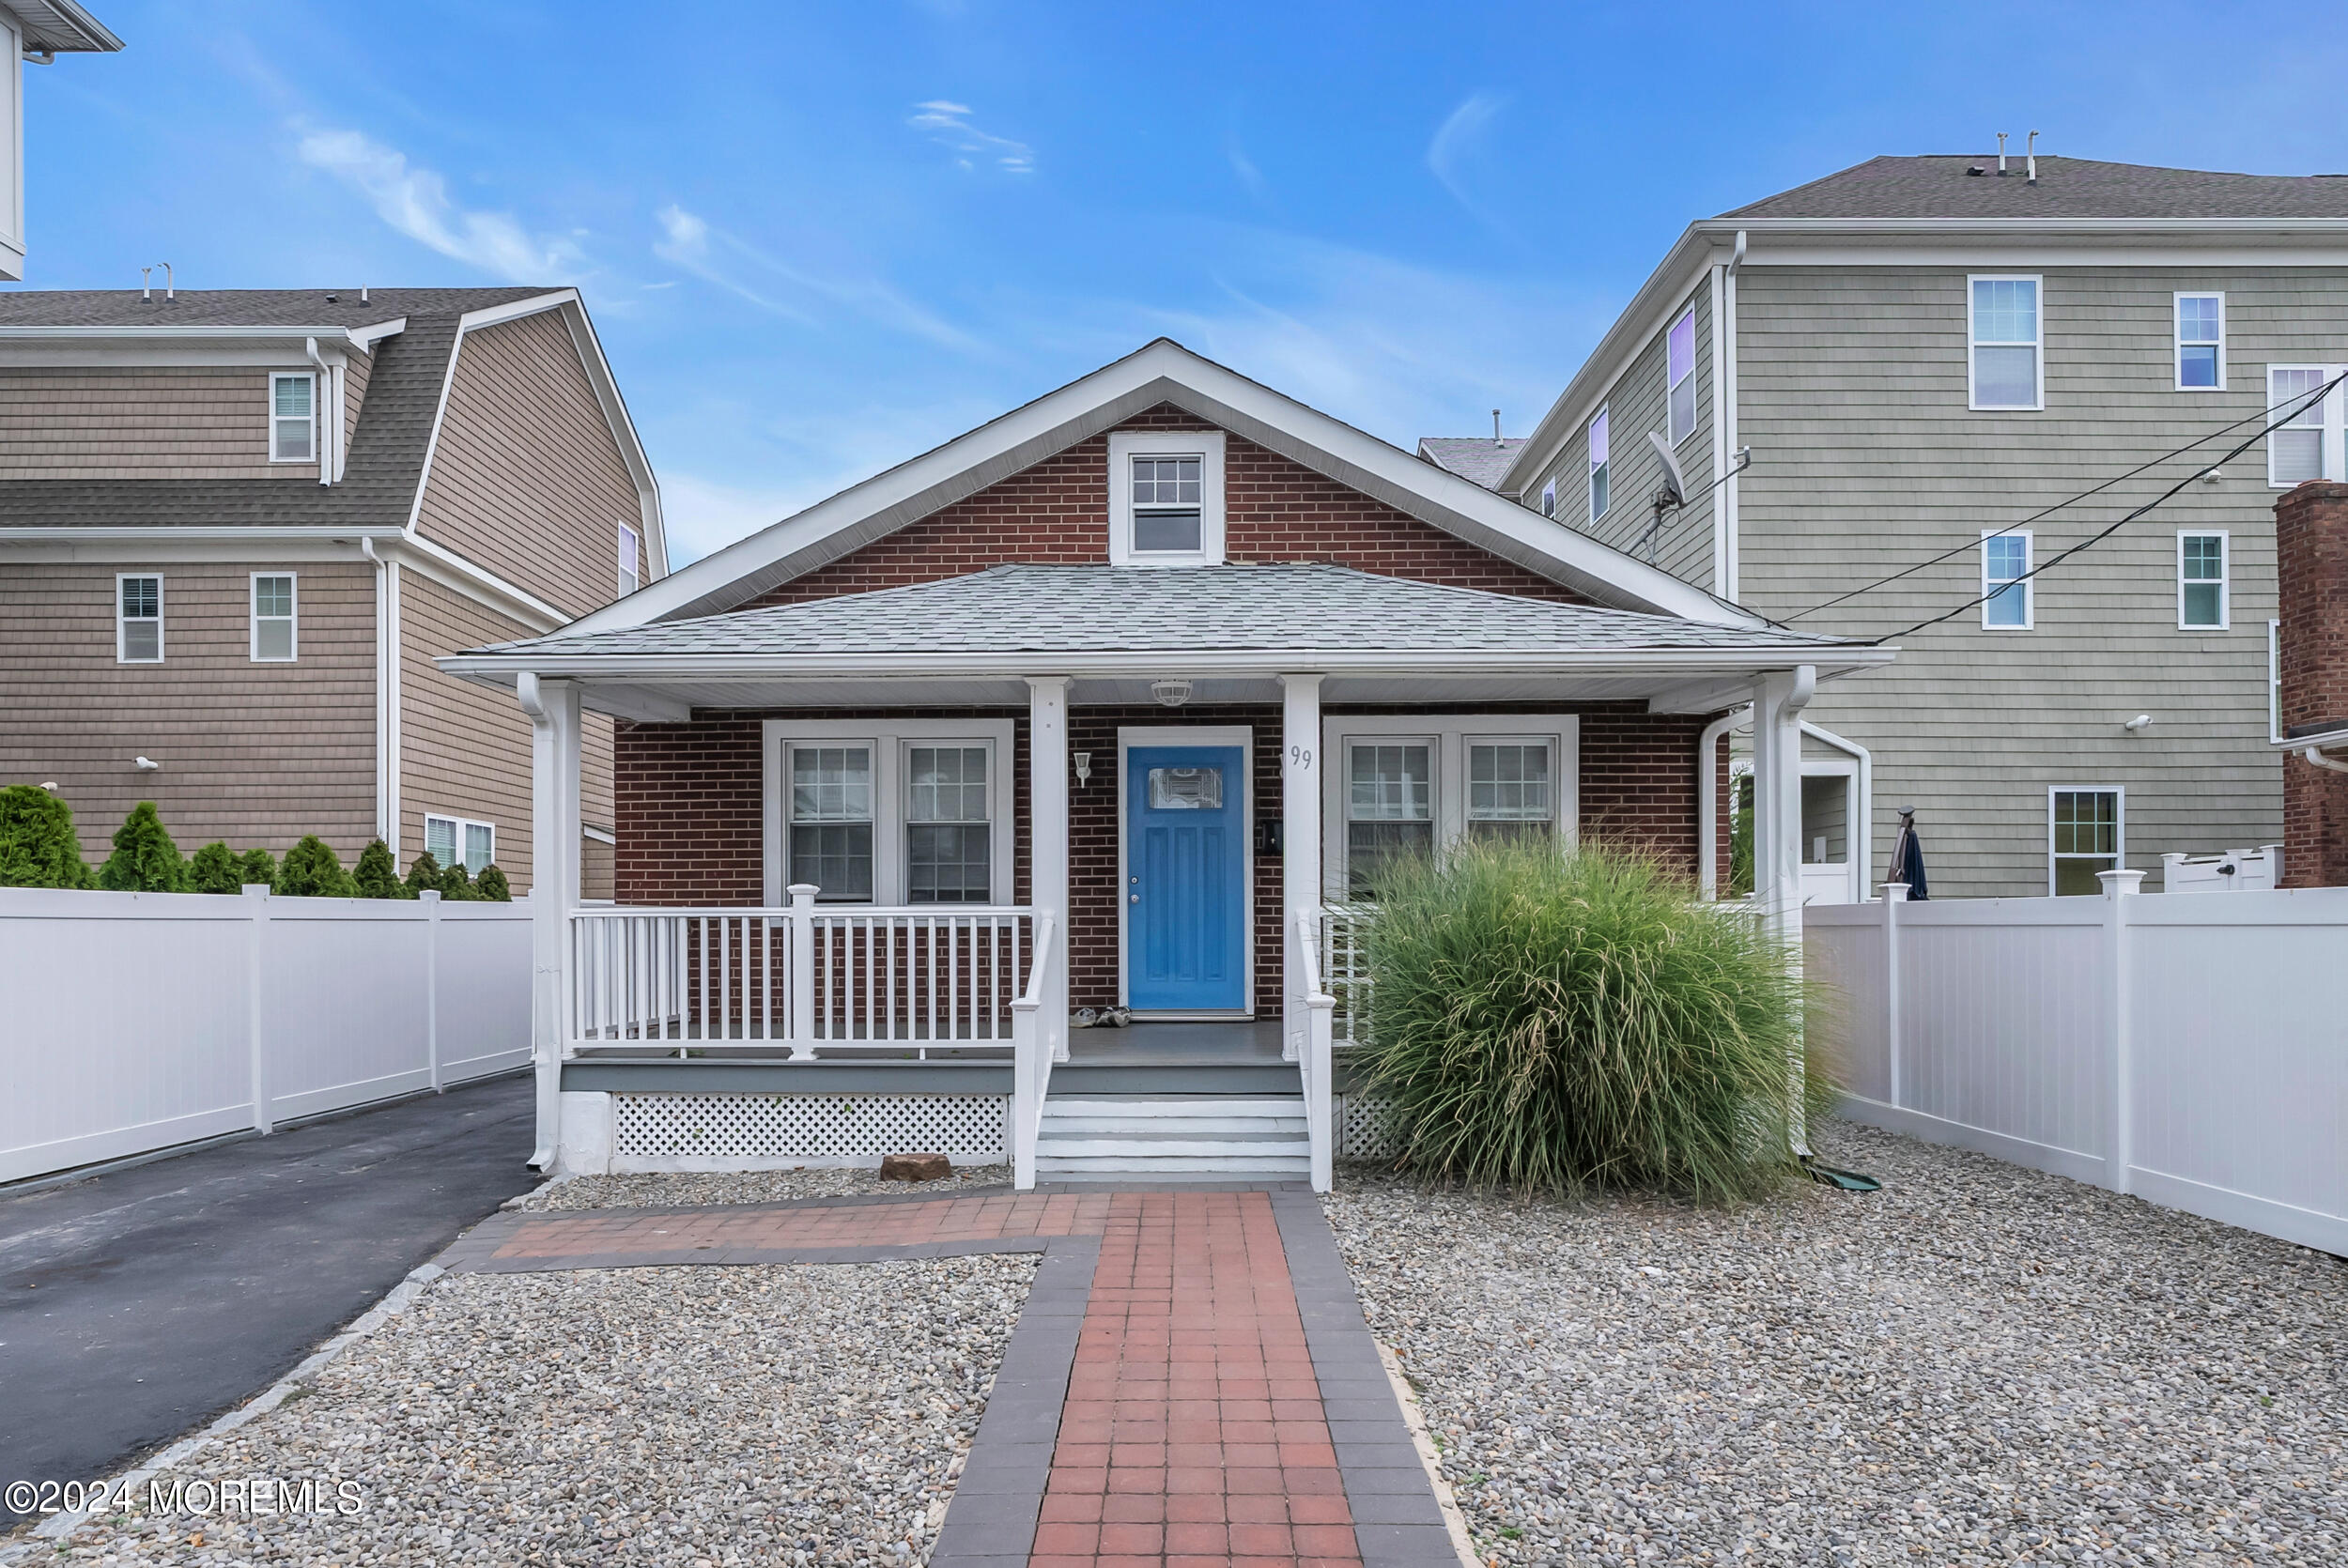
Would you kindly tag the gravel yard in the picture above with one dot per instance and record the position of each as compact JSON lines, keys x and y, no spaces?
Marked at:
{"x":666,"y":1190}
{"x":781,"y":1414}
{"x":1981,"y":1363}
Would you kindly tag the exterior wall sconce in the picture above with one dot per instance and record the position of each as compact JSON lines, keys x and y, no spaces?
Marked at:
{"x":1084,"y":768}
{"x":1170,"y":693}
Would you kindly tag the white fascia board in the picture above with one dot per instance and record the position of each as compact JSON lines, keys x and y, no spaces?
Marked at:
{"x":449,"y":569}
{"x":1161,"y":372}
{"x":181,"y":333}
{"x":269,"y":532}
{"x":2323,"y":739}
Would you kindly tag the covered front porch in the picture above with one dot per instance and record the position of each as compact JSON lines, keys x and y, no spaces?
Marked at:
{"x":865,"y":895}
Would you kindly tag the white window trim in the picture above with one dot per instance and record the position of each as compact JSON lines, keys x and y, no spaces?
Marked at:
{"x":121,"y":654}
{"x":1450,"y":734}
{"x":2225,"y":578}
{"x":1589,"y":485}
{"x":2334,"y":425}
{"x":2119,"y":825}
{"x":628,"y":560}
{"x":253,"y":618}
{"x":1126,"y":445}
{"x":2038,"y":349}
{"x":889,"y":738}
{"x":1244,"y":737}
{"x":1695,"y":409}
{"x":2029,"y":584}
{"x":463,"y":825}
{"x":1549,"y":498}
{"x":310,"y":377}
{"x":2178,"y":341}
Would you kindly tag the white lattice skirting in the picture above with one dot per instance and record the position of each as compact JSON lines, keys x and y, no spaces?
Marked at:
{"x":764,"y":1132}
{"x":1361,"y":1129}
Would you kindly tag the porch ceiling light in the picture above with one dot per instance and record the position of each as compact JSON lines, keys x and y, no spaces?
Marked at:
{"x":1170,"y":693}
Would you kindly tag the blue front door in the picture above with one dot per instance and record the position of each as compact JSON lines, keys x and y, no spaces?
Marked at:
{"x":1186,"y":878}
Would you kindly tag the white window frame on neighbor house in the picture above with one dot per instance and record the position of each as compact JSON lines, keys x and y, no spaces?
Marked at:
{"x":1974,"y":343}
{"x":2331,"y":420}
{"x":889,"y":738}
{"x":1599,"y":441}
{"x":2118,"y":828}
{"x":122,"y":621}
{"x":2224,"y":580}
{"x":1549,"y":498}
{"x":278,"y":422}
{"x":2176,"y":325}
{"x":292,"y":618}
{"x":1449,"y":738}
{"x":631,"y":561}
{"x":1676,"y":428}
{"x":1126,"y":445}
{"x":2028,"y":585}
{"x":461,"y":830}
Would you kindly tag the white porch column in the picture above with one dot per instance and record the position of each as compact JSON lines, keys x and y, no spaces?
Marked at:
{"x":1047,"y":822}
{"x":554,"y":710}
{"x":1300,"y":829}
{"x":1778,"y":700}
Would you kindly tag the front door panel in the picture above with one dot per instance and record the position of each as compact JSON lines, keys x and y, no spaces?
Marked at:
{"x":1185,"y":878}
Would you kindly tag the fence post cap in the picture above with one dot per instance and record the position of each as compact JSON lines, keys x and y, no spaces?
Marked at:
{"x":802,"y":892}
{"x":255,"y":890}
{"x":430,"y":895}
{"x":2117,"y":882}
{"x":1895,"y":892}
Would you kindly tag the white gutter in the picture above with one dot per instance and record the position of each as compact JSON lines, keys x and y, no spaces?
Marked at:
{"x":2315,"y":754}
{"x":328,"y":406}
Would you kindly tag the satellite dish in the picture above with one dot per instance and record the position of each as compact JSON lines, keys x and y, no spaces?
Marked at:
{"x":1675,"y":483}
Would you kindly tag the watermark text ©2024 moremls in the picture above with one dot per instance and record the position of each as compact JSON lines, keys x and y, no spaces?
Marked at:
{"x":201,"y":1495}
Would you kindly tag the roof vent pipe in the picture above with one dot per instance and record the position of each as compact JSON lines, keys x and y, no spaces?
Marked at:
{"x":147,"y":284}
{"x":1496,"y":440}
{"x":2002,"y":155}
{"x":2030,"y":154}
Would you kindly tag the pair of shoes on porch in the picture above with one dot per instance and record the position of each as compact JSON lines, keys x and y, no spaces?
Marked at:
{"x":1099,"y":1018}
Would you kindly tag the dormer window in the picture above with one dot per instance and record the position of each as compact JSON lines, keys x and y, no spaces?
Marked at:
{"x":1165,"y":497}
{"x":291,"y":412}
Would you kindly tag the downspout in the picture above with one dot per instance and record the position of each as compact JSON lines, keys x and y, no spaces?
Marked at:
{"x":1709,"y":801}
{"x":386,"y":827}
{"x":1730,"y":570}
{"x":545,"y":1044}
{"x":2315,"y":754}
{"x":1861,"y":835}
{"x":328,"y":410}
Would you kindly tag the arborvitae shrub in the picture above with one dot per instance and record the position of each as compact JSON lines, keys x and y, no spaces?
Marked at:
{"x":456,"y":884}
{"x":423,"y":874}
{"x":312,"y":871}
{"x":257,"y":868}
{"x":377,"y":875}
{"x":214,"y":870}
{"x":492,"y":886}
{"x":38,"y":848}
{"x":145,"y":858}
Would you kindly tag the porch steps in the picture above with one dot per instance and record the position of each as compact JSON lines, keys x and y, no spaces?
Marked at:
{"x":1217,"y":1135}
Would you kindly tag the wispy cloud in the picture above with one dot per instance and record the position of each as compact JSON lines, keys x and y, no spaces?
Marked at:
{"x":949,"y":125}
{"x":1250,"y":177}
{"x":688,"y":241}
{"x":1454,"y":143}
{"x":415,"y":202}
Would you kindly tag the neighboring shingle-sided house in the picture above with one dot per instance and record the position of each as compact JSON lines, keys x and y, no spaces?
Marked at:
{"x":33,"y":31}
{"x":1924,"y":352}
{"x":237,"y":527}
{"x":1090,"y":708}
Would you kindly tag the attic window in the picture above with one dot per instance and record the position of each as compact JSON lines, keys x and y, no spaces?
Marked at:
{"x":1165,"y":497}
{"x":291,"y":401}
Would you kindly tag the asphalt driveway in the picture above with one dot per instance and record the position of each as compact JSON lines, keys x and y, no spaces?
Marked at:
{"x":139,"y":1303}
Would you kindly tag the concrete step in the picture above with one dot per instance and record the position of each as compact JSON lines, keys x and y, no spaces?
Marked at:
{"x":1183,"y":1143}
{"x":1252,"y":1165}
{"x":1173,"y":1126}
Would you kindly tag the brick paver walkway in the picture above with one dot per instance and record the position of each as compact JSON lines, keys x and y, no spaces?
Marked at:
{"x":1183,"y":1419}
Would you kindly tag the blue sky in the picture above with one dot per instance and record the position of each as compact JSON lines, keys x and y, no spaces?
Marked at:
{"x":818,"y":240}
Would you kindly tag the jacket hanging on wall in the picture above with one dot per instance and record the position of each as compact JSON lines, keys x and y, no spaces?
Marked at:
{"x":1907,"y":859}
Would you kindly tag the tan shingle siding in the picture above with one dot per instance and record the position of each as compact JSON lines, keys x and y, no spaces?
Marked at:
{"x":527,"y":479}
{"x":148,"y":423}
{"x":253,"y":753}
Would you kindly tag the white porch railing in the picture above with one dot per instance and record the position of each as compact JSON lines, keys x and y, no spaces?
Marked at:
{"x":1031,"y":1061}
{"x":1315,"y":1060}
{"x":845,"y":979}
{"x":1344,"y":966}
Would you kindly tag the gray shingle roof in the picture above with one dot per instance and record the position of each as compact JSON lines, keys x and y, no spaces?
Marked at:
{"x":1937,"y":186}
{"x":244,"y":307}
{"x":1472,"y":457}
{"x":1109,"y":610}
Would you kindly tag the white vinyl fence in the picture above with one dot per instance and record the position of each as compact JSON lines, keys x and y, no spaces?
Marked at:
{"x":132,"y":1022}
{"x":2192,"y":1051}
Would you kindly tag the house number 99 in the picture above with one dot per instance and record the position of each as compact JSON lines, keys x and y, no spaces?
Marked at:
{"x":1300,"y":757}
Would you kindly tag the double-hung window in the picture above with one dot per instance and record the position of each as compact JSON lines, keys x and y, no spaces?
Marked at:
{"x":459,"y":841}
{"x":293,"y":418}
{"x":1165,"y":497}
{"x":2201,"y":582}
{"x":1600,"y":472}
{"x":2308,"y":443}
{"x":1512,"y":787}
{"x":138,"y":620}
{"x":2008,"y":359}
{"x":273,"y":639}
{"x":2005,"y":583}
{"x":632,"y":561}
{"x":908,"y":812}
{"x":2200,"y":343}
{"x":1418,"y":785}
{"x":2084,"y":836}
{"x":831,"y":821}
{"x":947,"y":832}
{"x":1389,"y":805}
{"x":1680,"y":369}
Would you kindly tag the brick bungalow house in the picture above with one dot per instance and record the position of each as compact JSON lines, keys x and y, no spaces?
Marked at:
{"x":1094,"y":707}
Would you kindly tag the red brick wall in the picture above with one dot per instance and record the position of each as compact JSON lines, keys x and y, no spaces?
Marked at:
{"x":1057,"y":513}
{"x":2311,"y":561}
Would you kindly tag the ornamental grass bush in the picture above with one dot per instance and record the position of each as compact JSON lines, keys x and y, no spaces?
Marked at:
{"x":1556,"y":1023}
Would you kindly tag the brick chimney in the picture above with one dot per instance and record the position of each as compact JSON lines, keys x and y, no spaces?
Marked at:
{"x":2311,"y":562}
